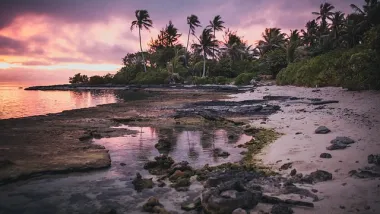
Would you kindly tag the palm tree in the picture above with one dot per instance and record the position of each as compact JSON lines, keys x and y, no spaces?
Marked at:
{"x":193,"y":22}
{"x":142,"y":21}
{"x":206,"y":46}
{"x":272,"y":39}
{"x":216,"y":25}
{"x":234,"y":46}
{"x":292,"y":43}
{"x":309,"y":36}
{"x":337,"y":23}
{"x":325,"y":12}
{"x":171,"y":35}
{"x":370,"y":12}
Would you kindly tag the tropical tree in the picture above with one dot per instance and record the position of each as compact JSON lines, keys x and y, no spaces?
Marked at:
{"x":309,"y":37}
{"x":142,"y":21}
{"x":292,"y":43}
{"x":216,"y":25}
{"x":325,"y":12}
{"x":337,"y":24}
{"x":370,"y":13}
{"x":193,"y":22}
{"x":272,"y":38}
{"x":206,"y":46}
{"x":170,"y":35}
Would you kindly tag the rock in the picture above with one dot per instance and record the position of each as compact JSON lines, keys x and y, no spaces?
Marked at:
{"x":325,"y":155}
{"x":163,"y":144}
{"x":366,"y":172}
{"x":217,"y":152}
{"x":239,"y":211}
{"x":372,"y":159}
{"x":342,"y":207}
{"x":324,"y":102}
{"x":192,"y":205}
{"x":293,"y":172}
{"x":239,"y":197}
{"x":298,"y":133}
{"x":231,"y":137}
{"x":85,"y":137}
{"x":183,"y":182}
{"x":286,"y":166}
{"x":314,"y":190}
{"x":160,"y":166}
{"x":322,"y":130}
{"x":140,"y":183}
{"x":5,"y":163}
{"x":150,"y":205}
{"x":107,"y":210}
{"x":317,"y":176}
{"x":123,"y":164}
{"x":176,"y":175}
{"x":281,"y":209}
{"x":342,"y":140}
{"x":160,"y":210}
{"x":161,"y":184}
{"x":337,"y":146}
{"x":316,"y":90}
{"x":182,"y":166}
{"x":274,"y":200}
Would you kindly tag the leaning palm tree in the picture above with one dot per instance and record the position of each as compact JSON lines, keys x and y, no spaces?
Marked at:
{"x":206,"y":46}
{"x":193,"y":22}
{"x":216,"y":25}
{"x":142,"y":21}
{"x":325,"y":12}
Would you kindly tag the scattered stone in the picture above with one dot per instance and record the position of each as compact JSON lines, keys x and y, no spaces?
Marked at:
{"x":366,"y":172}
{"x":322,"y":130}
{"x":274,"y":200}
{"x":160,"y":165}
{"x":196,"y":205}
{"x":324,"y":102}
{"x":372,"y":159}
{"x":337,"y":146}
{"x":150,"y":205}
{"x":293,"y":172}
{"x":239,"y":211}
{"x":344,"y":184}
{"x":342,"y":207}
{"x":316,"y":90}
{"x":183,"y":182}
{"x":325,"y":155}
{"x":342,"y":140}
{"x":163,"y":144}
{"x":85,"y":137}
{"x":161,"y":184}
{"x":286,"y":166}
{"x":231,"y":137}
{"x":261,"y":123}
{"x":217,"y":152}
{"x":281,"y":209}
{"x":317,"y":176}
{"x":140,"y":183}
{"x":298,"y":133}
{"x":123,"y":164}
{"x":314,"y":190}
{"x":356,"y":161}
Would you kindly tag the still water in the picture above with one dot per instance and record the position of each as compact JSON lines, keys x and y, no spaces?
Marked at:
{"x":16,"y":102}
{"x":89,"y":192}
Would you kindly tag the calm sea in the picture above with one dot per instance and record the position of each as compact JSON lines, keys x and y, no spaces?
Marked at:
{"x":16,"y":102}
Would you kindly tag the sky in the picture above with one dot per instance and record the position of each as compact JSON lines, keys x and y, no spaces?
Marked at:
{"x":47,"y":41}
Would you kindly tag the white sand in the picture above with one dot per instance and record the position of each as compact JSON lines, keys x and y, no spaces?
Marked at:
{"x":357,"y":115}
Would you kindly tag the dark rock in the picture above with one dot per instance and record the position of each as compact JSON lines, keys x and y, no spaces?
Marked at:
{"x":177,"y":175}
{"x":123,"y":164}
{"x":342,"y":207}
{"x":337,"y":146}
{"x":161,"y":184}
{"x":216,"y":200}
{"x":366,"y":172}
{"x":316,"y":90}
{"x":239,"y":211}
{"x":182,"y":166}
{"x":163,"y":144}
{"x":85,"y":137}
{"x":231,"y":137}
{"x":140,"y":183}
{"x":322,"y":130}
{"x":5,"y":163}
{"x":325,"y":155}
{"x":217,"y":152}
{"x":286,"y":166}
{"x":281,"y":209}
{"x":107,"y":210}
{"x":188,"y":206}
{"x":342,"y":140}
{"x":298,"y":133}
{"x":344,"y":184}
{"x":293,"y":172}
{"x":314,"y":190}
{"x":317,"y":176}
{"x":160,"y":166}
{"x":273,"y":200}
{"x":183,"y":182}
{"x":324,"y":102}
{"x":372,"y":159}
{"x":150,"y":205}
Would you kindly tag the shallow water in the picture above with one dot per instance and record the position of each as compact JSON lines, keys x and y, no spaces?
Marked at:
{"x":15,"y":102}
{"x":88,"y":192}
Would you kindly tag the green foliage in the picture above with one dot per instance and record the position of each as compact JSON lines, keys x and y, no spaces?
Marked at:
{"x":355,"y":69}
{"x":152,"y":77}
{"x":221,"y":80}
{"x":274,"y":61}
{"x":244,"y":78}
{"x":372,"y":38}
{"x":78,"y":79}
{"x":125,"y":75}
{"x":203,"y":80}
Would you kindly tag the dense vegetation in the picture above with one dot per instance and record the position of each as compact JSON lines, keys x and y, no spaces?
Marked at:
{"x":333,"y":50}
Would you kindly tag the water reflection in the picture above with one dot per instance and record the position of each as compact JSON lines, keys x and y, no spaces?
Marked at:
{"x":20,"y":103}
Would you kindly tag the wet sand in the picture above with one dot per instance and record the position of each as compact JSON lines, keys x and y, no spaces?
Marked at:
{"x":355,"y":116}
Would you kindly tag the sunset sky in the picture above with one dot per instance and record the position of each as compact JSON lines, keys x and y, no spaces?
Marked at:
{"x":46,"y":41}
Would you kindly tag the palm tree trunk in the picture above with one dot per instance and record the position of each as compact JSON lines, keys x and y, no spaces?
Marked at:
{"x":142,"y":51}
{"x":204,"y":64}
{"x":188,"y":38}
{"x":213,"y":53}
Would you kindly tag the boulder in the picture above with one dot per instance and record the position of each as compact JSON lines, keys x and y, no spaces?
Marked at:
{"x":342,"y":140}
{"x":140,"y":183}
{"x":325,"y":155}
{"x":150,"y":205}
{"x":322,"y":130}
{"x":183,"y":182}
{"x":293,"y":172}
{"x":177,"y":175}
{"x":182,"y":166}
{"x":160,"y":165}
{"x":239,"y":211}
{"x":317,"y":176}
{"x":286,"y":166}
{"x":337,"y":146}
{"x":281,"y":209}
{"x":195,"y":205}
{"x":217,"y":152}
{"x":163,"y":144}
{"x":374,"y":159}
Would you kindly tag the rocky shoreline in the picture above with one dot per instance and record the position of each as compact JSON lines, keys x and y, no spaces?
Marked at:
{"x":62,"y":143}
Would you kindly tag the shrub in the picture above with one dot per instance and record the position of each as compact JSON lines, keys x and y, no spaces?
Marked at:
{"x":125,"y":75}
{"x":203,"y":80}
{"x":220,"y":80}
{"x":244,"y":78}
{"x":152,"y":77}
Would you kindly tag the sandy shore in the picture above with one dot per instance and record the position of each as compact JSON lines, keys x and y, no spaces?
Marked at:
{"x":355,"y":116}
